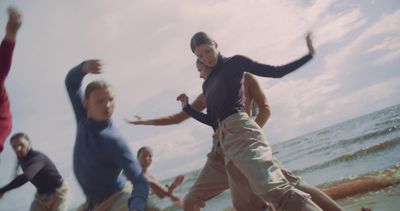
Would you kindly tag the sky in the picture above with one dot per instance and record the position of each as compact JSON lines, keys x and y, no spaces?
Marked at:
{"x":144,"y":46}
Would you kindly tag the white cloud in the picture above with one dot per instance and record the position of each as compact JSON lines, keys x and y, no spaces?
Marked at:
{"x":321,"y":100}
{"x":333,"y":27}
{"x":389,"y":43}
{"x":388,"y":23}
{"x":388,"y":57}
{"x":298,"y":102}
{"x":372,"y":97}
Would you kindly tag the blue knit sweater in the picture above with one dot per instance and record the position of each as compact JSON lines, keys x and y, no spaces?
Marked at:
{"x":100,"y":153}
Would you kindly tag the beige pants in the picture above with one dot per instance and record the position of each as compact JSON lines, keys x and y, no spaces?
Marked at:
{"x":57,"y":201}
{"x":213,"y":180}
{"x":116,"y":202}
{"x":249,"y":157}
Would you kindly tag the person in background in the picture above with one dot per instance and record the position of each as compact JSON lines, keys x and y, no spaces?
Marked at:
{"x":145,"y":157}
{"x":52,"y":190}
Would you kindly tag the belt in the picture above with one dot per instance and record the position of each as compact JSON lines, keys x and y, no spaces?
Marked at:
{"x":52,"y":189}
{"x":224,"y":116}
{"x":230,"y":112}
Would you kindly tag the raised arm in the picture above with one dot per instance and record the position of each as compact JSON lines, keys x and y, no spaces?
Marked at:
{"x":8,"y":43}
{"x":13,"y":24}
{"x":6,"y":53}
{"x":260,"y":99}
{"x":177,"y":118}
{"x":199,"y":116}
{"x":278,"y":71}
{"x":73,"y":82}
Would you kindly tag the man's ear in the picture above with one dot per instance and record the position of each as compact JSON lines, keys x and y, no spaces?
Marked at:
{"x":29,"y":145}
{"x":215,"y":44}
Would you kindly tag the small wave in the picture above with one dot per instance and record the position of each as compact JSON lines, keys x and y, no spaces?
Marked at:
{"x":362,"y":152}
{"x":344,"y":142}
{"x":395,"y":122}
{"x":365,"y":137}
{"x":365,"y":183}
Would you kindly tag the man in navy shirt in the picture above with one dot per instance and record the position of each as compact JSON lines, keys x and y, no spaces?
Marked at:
{"x":38,"y":169}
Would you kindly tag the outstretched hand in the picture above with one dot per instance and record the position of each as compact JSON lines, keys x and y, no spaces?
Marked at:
{"x":309,"y":44}
{"x":184,"y":99}
{"x":178,"y":181}
{"x":138,"y":121}
{"x":13,"y":24}
{"x":92,"y":66}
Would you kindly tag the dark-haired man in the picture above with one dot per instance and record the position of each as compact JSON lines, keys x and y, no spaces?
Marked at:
{"x":38,"y":169}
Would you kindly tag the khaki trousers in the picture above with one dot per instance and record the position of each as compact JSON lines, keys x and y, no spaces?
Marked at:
{"x":249,"y":156}
{"x":213,"y":180}
{"x":116,"y":202}
{"x":57,"y":201}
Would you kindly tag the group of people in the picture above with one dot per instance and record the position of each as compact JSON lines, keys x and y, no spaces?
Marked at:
{"x":112,"y":178}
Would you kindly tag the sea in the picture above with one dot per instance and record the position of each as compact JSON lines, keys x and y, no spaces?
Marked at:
{"x":345,"y":151}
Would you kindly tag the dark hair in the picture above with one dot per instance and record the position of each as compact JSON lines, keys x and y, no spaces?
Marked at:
{"x":95,"y":85}
{"x":141,"y":149}
{"x":198,"y":62}
{"x":200,"y":38}
{"x":19,"y":135}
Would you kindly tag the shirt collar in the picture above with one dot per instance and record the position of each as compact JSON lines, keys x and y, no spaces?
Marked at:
{"x":98,"y":124}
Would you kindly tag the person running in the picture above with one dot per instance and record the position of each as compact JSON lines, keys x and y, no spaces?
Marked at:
{"x":205,"y":187}
{"x":145,"y":157}
{"x":246,"y":151}
{"x":6,"y":53}
{"x":100,"y":153}
{"x":52,"y":191}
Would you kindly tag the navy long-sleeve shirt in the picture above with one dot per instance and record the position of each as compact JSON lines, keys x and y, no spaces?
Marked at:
{"x":39,"y":170}
{"x":223,"y":89}
{"x":100,"y":153}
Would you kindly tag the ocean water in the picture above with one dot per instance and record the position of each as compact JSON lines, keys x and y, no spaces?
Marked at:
{"x":359,"y":146}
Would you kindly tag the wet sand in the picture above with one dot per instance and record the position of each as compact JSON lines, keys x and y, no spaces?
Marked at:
{"x":376,"y":191}
{"x":386,"y":199}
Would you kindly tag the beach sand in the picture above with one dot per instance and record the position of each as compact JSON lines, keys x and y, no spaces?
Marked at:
{"x":378,"y":191}
{"x":386,"y":199}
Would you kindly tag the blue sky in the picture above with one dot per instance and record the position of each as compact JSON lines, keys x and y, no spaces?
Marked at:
{"x":144,"y":46}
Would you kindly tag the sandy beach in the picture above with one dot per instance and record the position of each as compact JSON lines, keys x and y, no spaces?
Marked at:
{"x":386,"y":199}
